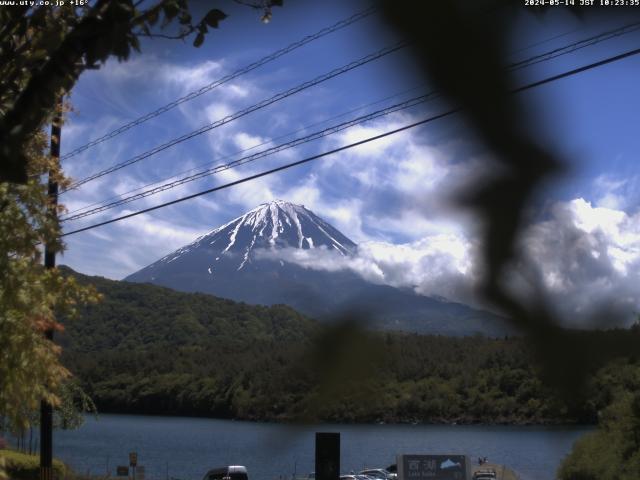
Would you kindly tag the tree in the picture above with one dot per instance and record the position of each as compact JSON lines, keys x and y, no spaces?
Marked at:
{"x":613,"y":451}
{"x":43,"y":50}
{"x":30,"y":295}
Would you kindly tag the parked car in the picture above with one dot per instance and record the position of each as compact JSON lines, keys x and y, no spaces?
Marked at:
{"x":232,"y":472}
{"x":379,"y":474}
{"x":353,"y":476}
{"x":485,"y":474}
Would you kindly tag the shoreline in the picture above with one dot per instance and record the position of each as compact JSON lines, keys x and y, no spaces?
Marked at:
{"x":379,"y":422}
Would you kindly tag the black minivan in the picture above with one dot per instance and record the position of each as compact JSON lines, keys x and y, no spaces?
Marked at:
{"x":233,"y":472}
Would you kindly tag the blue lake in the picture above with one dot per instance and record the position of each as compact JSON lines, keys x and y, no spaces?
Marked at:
{"x":185,"y":448}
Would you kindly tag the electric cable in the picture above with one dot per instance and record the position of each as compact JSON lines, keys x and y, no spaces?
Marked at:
{"x":529,"y":86}
{"x":241,"y":113}
{"x":512,"y":67}
{"x":227,"y":78}
{"x":244,"y":150}
{"x":253,"y":157}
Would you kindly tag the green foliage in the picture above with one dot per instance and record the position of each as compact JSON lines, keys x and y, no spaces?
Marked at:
{"x":20,"y":466}
{"x":613,"y":451}
{"x":30,"y":296}
{"x":135,"y":318}
{"x":148,"y":349}
{"x":74,"y":403}
{"x":42,"y":46}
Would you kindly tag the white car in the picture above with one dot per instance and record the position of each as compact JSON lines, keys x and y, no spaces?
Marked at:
{"x":379,"y":474}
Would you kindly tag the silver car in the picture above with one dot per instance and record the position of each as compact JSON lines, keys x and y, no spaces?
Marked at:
{"x":379,"y":474}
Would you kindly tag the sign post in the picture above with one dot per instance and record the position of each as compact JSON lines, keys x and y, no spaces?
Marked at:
{"x":133,"y":462}
{"x":433,"y":467}
{"x":327,"y":456}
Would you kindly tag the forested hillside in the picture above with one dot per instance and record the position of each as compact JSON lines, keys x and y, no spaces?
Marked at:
{"x":147,"y":349}
{"x":135,"y":317}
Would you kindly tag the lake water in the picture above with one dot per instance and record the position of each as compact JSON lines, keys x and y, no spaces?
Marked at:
{"x":186,"y":448}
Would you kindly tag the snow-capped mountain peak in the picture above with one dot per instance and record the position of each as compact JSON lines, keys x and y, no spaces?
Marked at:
{"x":229,"y":262}
{"x":272,"y":225}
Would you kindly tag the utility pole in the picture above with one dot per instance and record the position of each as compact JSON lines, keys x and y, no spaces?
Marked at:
{"x":46,"y":409}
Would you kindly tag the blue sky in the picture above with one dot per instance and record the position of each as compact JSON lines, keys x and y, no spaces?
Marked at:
{"x":389,"y":196}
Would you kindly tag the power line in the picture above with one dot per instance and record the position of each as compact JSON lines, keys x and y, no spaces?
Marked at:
{"x":264,"y":153}
{"x":512,"y":67}
{"x":575,"y":71}
{"x":227,"y":78}
{"x":355,"y":144}
{"x":546,"y":40}
{"x":601,"y":37}
{"x":241,"y":113}
{"x":244,"y":150}
{"x":261,"y":174}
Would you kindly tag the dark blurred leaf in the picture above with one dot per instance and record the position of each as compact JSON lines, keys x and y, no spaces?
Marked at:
{"x":134,"y":42}
{"x":213,"y":17}
{"x":170,"y":10}
{"x":199,"y":40}
{"x":185,"y":18}
{"x":152,"y":16}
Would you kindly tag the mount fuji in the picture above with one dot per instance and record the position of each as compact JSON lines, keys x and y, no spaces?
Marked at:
{"x":237,"y":261}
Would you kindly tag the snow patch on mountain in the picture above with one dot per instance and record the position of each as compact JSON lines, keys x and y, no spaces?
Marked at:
{"x":273,"y":225}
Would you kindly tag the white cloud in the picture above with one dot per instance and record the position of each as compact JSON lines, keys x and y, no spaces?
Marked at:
{"x":248,"y":194}
{"x":588,"y":259}
{"x":245,"y":141}
{"x":192,"y":77}
{"x":347,"y":215}
{"x":306,"y":193}
{"x":375,"y":147}
{"x":609,"y":192}
{"x":218,"y":111}
{"x":615,"y":192}
{"x":132,"y":244}
{"x":438,"y":265}
{"x":160,"y":232}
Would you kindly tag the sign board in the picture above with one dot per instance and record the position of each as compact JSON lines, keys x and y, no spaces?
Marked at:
{"x":122,"y":471}
{"x":133,"y":459}
{"x":433,"y":467}
{"x":139,"y":472}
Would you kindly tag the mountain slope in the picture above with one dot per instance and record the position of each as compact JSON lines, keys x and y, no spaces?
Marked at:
{"x":237,"y":261}
{"x":132,"y":316}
